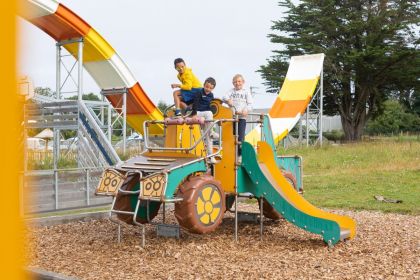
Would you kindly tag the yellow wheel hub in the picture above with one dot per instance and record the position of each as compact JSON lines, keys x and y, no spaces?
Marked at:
{"x":208,"y":207}
{"x":209,"y":204}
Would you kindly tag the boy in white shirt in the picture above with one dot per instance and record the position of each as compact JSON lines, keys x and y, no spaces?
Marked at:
{"x":241,"y":100}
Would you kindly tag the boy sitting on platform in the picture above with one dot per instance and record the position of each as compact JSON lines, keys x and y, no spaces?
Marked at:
{"x":190,"y":85}
{"x":201,"y":109}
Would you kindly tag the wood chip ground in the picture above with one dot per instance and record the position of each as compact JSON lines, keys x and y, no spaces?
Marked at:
{"x":387,"y":246}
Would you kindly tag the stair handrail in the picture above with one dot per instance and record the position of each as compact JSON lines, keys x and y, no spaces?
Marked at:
{"x":101,"y":135}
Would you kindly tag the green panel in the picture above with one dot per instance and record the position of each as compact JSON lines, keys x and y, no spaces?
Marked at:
{"x":176,"y":176}
{"x":268,"y":134}
{"x":142,"y":213}
{"x":245,"y":183}
{"x":329,"y":230}
{"x":292,"y":164}
{"x":289,"y":164}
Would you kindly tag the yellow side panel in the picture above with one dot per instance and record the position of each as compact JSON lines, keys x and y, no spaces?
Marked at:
{"x":184,"y":136}
{"x":266,"y":156}
{"x":281,"y":136}
{"x":225,"y":169}
{"x":95,"y":48}
{"x":297,"y":89}
{"x":253,"y":136}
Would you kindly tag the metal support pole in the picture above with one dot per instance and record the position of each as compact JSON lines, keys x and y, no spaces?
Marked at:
{"x":300,"y":131}
{"x":103,"y":111}
{"x":80,"y":71}
{"x":56,"y":148}
{"x":261,"y":218}
{"x":124,"y":121}
{"x":236,"y":174}
{"x":87,"y":187}
{"x":307,"y":125}
{"x":236,"y":216}
{"x":56,"y":139}
{"x":143,"y":236}
{"x":164,"y":210}
{"x":56,"y":188}
{"x":58,"y":72}
{"x":109,"y":124}
{"x":321,"y":105}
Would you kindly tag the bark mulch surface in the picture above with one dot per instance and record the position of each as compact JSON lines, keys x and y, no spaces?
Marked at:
{"x":387,"y":246}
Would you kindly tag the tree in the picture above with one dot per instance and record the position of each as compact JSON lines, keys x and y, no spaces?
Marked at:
{"x":371,"y":48}
{"x":393,"y":120}
{"x":45,"y":91}
{"x":416,"y":103}
{"x":162,"y":105}
{"x":86,"y":96}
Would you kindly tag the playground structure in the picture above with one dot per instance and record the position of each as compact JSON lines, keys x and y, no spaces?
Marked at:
{"x":178,"y":171}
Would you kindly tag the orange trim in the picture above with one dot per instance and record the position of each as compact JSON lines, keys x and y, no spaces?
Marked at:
{"x":62,"y":25}
{"x":139,"y":97}
{"x":81,"y":26}
{"x":55,"y":27}
{"x":288,"y":108}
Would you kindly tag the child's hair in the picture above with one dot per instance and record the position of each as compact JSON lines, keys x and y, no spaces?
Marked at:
{"x":238,"y":76}
{"x":178,"y":60}
{"x":211,"y":81}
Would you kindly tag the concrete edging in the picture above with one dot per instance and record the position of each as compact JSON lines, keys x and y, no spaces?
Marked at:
{"x":57,"y":220}
{"x":40,"y":274}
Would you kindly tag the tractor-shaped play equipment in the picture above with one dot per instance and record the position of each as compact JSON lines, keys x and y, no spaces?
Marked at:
{"x":180,"y":171}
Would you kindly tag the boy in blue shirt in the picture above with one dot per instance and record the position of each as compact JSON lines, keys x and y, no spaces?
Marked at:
{"x":201,"y":109}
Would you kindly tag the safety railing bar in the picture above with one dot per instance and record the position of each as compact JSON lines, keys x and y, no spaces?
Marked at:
{"x":147,"y":147}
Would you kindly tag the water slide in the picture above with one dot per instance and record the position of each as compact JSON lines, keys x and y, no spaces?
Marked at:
{"x":293,"y":98}
{"x":269,"y":182}
{"x":99,"y":58}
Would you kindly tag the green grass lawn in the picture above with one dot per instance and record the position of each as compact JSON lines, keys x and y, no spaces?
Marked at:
{"x":348,"y":176}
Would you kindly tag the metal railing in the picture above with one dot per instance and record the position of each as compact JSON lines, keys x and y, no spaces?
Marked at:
{"x":192,"y":146}
{"x":60,"y":189}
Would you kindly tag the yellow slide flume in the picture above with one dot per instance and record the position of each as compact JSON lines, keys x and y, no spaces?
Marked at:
{"x":270,"y":169}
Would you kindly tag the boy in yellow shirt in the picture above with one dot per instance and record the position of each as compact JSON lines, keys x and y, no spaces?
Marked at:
{"x":190,"y":85}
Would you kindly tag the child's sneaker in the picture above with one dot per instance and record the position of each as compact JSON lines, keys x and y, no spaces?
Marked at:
{"x":214,"y":135}
{"x":188,"y":111}
{"x":177,"y":113}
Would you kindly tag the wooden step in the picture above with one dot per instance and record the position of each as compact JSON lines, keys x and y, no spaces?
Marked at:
{"x":152,"y":163}
{"x":162,"y":159}
{"x":142,"y":167}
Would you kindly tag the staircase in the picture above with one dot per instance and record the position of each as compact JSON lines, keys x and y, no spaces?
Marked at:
{"x":93,"y":146}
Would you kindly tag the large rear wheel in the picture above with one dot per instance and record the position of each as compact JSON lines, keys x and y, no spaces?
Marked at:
{"x":203,"y":204}
{"x":268,"y":210}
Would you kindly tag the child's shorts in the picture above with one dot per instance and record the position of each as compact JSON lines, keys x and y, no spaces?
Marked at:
{"x":189,"y":95}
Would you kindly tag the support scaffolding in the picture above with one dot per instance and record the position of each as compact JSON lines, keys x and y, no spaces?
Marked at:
{"x":313,"y":117}
{"x":121,"y":108}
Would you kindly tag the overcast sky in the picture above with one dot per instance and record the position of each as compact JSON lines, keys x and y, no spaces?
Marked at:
{"x":216,"y":38}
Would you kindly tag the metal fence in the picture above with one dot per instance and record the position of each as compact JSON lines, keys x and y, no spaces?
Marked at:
{"x":61,"y":189}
